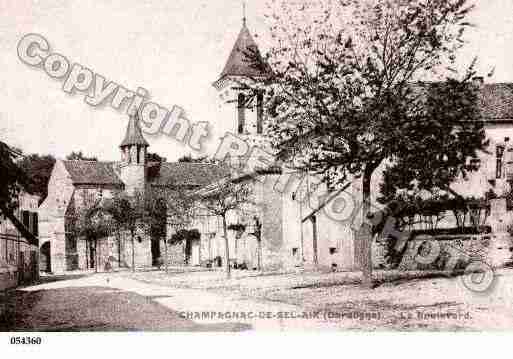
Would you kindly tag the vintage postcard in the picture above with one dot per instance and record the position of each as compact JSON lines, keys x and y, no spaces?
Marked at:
{"x":255,"y":166}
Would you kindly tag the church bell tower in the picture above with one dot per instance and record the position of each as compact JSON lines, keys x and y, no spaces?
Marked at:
{"x":245,"y":65}
{"x":133,"y":157}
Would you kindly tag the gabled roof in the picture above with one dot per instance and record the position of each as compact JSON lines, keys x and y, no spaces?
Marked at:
{"x":245,"y":59}
{"x":133,"y":135}
{"x":189,"y":174}
{"x":92,"y":172}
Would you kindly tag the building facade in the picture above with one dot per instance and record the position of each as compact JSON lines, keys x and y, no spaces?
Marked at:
{"x":18,"y":257}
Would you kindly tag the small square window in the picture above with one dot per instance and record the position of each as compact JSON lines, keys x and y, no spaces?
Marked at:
{"x":295,"y":251}
{"x":333,"y":250}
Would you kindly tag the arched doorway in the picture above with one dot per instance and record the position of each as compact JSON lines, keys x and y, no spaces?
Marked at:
{"x":45,"y":264}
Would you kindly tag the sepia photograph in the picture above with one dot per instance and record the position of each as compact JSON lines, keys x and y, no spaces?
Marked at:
{"x":258,"y":166}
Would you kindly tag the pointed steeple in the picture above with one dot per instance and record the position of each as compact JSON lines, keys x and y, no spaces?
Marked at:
{"x":244,"y":13}
{"x":245,"y":59}
{"x":133,"y":135}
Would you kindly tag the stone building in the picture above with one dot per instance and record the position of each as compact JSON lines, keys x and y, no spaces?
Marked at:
{"x":76,"y":185}
{"x":288,"y":228}
{"x":19,"y":257}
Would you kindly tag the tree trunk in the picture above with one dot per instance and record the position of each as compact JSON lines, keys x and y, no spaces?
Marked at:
{"x":259,"y":244}
{"x":366,"y":241}
{"x":259,"y":253}
{"x":119,"y":249}
{"x":132,"y":235}
{"x":236,"y":250}
{"x":166,"y":260}
{"x":97,"y":260}
{"x":314,"y":241}
{"x":87,"y":253}
{"x":227,"y":249}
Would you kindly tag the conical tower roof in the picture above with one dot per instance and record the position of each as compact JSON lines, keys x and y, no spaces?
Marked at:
{"x":133,"y":135}
{"x":245,"y":59}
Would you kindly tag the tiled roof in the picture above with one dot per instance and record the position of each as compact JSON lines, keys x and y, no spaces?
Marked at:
{"x":177,"y":174}
{"x":189,"y":174}
{"x":239,"y":62}
{"x":92,"y":172}
{"x":134,"y":135}
{"x":497,"y":101}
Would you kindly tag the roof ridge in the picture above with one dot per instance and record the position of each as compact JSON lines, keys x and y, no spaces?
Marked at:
{"x":86,"y":161}
{"x":191,"y":163}
{"x":92,"y":172}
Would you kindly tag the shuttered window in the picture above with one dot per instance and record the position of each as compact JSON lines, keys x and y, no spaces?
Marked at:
{"x":25,"y":218}
{"x":35,"y":224}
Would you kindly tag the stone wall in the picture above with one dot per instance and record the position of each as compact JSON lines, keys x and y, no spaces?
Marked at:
{"x":335,"y":246}
{"x":442,"y":253}
{"x":175,"y":254}
{"x":133,"y":176}
{"x":272,"y":241}
{"x":52,"y":213}
{"x":110,"y":248}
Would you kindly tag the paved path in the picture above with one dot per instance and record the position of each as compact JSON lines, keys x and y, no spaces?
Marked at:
{"x":118,"y":302}
{"x":114,"y":302}
{"x":95,"y":303}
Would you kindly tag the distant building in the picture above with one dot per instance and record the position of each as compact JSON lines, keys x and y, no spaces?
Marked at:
{"x":18,"y":257}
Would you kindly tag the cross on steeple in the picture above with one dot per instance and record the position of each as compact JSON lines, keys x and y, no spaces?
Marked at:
{"x":244,"y":13}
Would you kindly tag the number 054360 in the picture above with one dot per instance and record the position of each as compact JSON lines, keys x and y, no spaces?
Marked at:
{"x":26,"y":340}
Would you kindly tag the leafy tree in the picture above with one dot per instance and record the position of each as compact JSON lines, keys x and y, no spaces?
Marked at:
{"x":79,"y":156}
{"x":444,"y":143}
{"x":12,"y":181}
{"x":128,"y":214}
{"x":93,"y":224}
{"x":189,"y":159}
{"x":186,"y":236}
{"x":39,"y":170}
{"x":183,"y":235}
{"x":345,"y":97}
{"x":219,"y":199}
{"x":154,"y":157}
{"x":166,"y":205}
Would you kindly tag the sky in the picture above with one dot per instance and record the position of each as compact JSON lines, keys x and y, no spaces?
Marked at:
{"x":174,"y":49}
